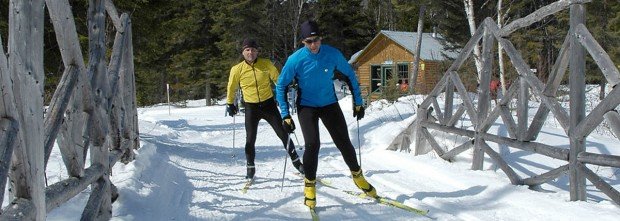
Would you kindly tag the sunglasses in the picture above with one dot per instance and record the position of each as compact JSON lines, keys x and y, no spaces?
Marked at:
{"x":312,"y":40}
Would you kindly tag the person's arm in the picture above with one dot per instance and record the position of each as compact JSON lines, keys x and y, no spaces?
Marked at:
{"x":343,"y":66}
{"x":285,"y":78}
{"x":273,"y":72}
{"x":233,"y":85}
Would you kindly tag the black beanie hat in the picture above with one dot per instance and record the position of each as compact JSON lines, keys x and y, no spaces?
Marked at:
{"x":309,"y":28}
{"x":249,"y":43}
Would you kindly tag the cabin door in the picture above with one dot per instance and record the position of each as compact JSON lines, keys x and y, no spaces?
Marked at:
{"x":386,"y":74}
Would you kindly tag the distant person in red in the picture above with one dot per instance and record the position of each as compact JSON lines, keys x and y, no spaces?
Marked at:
{"x":495,"y":87}
{"x":404,"y":86}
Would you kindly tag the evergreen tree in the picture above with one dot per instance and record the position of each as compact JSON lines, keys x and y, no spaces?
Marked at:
{"x":4,"y":21}
{"x":407,"y":14}
{"x":189,"y":43}
{"x":614,"y":29}
{"x":173,"y":42}
{"x":234,"y":21}
{"x":344,"y":25}
{"x":150,"y":29}
{"x":450,"y":19}
{"x":540,"y":42}
{"x":601,"y":23}
{"x":391,"y":91}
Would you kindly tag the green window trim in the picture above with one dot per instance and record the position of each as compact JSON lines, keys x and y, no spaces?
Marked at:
{"x":380,"y":73}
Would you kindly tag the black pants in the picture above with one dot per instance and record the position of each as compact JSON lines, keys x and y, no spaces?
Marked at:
{"x":267,"y":110}
{"x":333,"y":119}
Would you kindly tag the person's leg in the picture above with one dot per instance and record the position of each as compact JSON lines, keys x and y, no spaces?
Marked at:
{"x":251,"y":125}
{"x":336,"y":125}
{"x":309,"y":124}
{"x":272,"y":116}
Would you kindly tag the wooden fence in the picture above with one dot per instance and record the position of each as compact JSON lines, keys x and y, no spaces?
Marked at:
{"x":521,"y":133}
{"x":93,"y":110}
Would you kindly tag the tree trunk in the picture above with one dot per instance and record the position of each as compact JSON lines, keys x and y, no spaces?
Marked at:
{"x":414,"y":78}
{"x":500,"y":52}
{"x":208,"y":91}
{"x":544,"y":60}
{"x":300,"y":6}
{"x":469,"y":10}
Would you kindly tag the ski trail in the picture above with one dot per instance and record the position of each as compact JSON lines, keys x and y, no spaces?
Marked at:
{"x":195,"y":178}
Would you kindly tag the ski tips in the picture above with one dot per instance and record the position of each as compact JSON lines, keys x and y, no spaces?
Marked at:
{"x":315,"y":216}
{"x":246,"y":186}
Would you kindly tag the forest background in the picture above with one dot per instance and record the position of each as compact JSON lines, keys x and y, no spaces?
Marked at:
{"x":191,"y":44}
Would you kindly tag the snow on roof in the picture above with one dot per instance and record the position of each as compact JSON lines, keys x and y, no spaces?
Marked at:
{"x":432,"y":48}
{"x":355,"y":56}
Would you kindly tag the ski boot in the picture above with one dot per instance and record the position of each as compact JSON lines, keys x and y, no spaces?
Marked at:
{"x":310,"y":193}
{"x":360,"y":182}
{"x":251,"y":172}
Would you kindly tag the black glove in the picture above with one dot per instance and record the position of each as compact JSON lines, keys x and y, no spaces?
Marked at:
{"x":231,"y":109}
{"x":288,"y":125}
{"x":358,"y":111}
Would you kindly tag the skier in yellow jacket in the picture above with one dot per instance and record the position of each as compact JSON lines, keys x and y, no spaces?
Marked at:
{"x":255,"y":76}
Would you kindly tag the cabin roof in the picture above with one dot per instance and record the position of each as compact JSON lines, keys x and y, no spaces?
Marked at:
{"x":432,"y":47}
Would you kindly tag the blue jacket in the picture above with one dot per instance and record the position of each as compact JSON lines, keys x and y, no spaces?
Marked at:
{"x":314,"y":74}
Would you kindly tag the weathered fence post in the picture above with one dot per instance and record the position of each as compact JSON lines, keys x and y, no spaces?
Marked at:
{"x":523,"y":99}
{"x":130,"y":115}
{"x":10,"y":137}
{"x":26,"y":68}
{"x":448,"y":112}
{"x":484,"y":100}
{"x":70,"y":138}
{"x":99,"y":205}
{"x":115,"y":105}
{"x":577,"y":105}
{"x":421,"y":116}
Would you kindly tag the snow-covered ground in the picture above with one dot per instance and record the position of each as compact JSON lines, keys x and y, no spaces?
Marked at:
{"x":188,"y":169}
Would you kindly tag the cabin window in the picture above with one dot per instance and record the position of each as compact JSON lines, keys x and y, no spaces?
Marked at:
{"x":403,"y":73}
{"x":375,"y":77}
{"x":388,"y":74}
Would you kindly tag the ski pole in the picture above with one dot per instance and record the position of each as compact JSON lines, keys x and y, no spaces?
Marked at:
{"x":288,"y":142}
{"x":234,"y":130}
{"x":359,"y":143}
{"x":298,"y":144}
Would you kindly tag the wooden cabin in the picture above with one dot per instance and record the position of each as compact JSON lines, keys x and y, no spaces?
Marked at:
{"x":391,"y":54}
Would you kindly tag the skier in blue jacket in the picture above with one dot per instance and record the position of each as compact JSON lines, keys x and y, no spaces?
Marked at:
{"x":312,"y":67}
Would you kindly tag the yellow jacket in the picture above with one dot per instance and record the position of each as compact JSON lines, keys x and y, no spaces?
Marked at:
{"x":255,"y":81}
